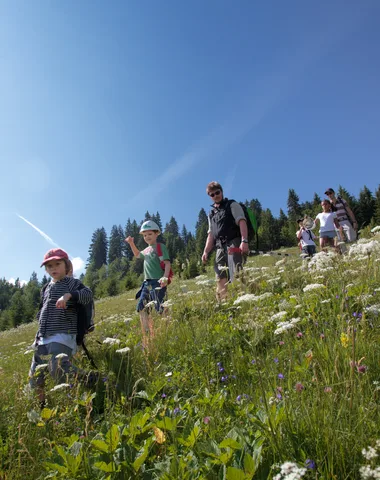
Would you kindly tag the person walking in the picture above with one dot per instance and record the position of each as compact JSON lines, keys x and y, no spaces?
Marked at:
{"x":228,"y":232}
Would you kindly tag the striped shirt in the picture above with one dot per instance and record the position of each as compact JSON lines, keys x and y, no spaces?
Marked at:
{"x":340,"y":209}
{"x":61,"y":320}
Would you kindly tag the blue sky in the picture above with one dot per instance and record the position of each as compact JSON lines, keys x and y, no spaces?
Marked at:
{"x":110,"y":109}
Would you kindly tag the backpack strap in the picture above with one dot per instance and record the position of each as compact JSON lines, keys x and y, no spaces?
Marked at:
{"x":159,"y":250}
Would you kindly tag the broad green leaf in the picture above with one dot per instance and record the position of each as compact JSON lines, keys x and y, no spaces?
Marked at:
{"x":113,"y":437}
{"x":100,"y":445}
{"x":230,"y":443}
{"x":167,"y":423}
{"x":192,"y":438}
{"x":249,"y":464}
{"x":55,"y":466}
{"x":236,"y":474}
{"x":105,"y":467}
{"x":141,"y":458}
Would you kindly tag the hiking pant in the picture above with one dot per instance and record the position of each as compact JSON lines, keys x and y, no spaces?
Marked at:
{"x":46,"y":357}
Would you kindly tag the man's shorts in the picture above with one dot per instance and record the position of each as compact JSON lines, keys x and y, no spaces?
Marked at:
{"x":58,"y":368}
{"x":151,"y":291}
{"x":349,"y":231}
{"x":329,"y":234}
{"x":234,"y":260}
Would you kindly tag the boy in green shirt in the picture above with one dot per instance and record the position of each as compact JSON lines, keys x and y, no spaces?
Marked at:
{"x":154,"y":286}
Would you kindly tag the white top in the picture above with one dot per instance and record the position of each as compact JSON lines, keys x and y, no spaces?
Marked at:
{"x":307,"y":238}
{"x":327,"y":221}
{"x":63,"y":338}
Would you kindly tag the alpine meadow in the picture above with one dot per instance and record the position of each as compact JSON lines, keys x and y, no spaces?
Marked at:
{"x":281,"y":381}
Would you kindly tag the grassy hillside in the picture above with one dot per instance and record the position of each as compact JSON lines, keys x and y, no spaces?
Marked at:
{"x":282,"y":381}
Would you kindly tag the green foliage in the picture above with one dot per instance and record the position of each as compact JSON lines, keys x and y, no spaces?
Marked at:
{"x":222,"y":393}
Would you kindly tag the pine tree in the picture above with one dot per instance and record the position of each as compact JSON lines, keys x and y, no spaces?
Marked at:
{"x":172,"y":227}
{"x":44,"y":281}
{"x":116,"y":244}
{"x":294,"y":208}
{"x":201,"y":228}
{"x":366,"y":207}
{"x":98,"y":249}
{"x":268,"y":233}
{"x":377,"y":206}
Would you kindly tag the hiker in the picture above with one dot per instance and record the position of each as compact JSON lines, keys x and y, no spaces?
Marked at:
{"x":306,"y":238}
{"x":154,"y":286}
{"x":328,"y":222}
{"x":57,"y":322}
{"x":345,"y":215}
{"x":227,"y":231}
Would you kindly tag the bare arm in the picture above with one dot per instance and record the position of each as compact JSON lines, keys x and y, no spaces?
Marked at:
{"x":244,"y":234}
{"x":352,"y":216}
{"x":131,"y":243}
{"x":208,"y":247}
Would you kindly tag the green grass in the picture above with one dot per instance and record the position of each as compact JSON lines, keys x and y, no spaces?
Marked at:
{"x":221,"y":395}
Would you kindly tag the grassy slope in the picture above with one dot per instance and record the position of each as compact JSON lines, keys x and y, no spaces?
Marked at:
{"x":216,"y":373}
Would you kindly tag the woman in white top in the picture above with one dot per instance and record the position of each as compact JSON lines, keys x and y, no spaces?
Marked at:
{"x":327,"y":222}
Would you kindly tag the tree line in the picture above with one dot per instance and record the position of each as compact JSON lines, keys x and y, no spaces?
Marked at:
{"x":111,"y":267}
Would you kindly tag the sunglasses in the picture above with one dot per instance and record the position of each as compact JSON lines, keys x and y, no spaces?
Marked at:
{"x":212,"y":195}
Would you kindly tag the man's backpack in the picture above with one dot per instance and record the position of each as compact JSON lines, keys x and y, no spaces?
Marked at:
{"x":162,"y":263}
{"x":250,"y":218}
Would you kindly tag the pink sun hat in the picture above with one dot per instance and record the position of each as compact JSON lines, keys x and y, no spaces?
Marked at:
{"x":54,"y":254}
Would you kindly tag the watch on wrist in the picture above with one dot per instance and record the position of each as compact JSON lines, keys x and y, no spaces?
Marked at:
{"x":244,"y":240}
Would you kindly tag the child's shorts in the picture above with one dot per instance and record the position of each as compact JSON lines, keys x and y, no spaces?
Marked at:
{"x":58,"y":368}
{"x":329,"y":234}
{"x":151,"y":291}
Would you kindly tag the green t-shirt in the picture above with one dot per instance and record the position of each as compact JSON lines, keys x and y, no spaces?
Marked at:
{"x":152,"y":269}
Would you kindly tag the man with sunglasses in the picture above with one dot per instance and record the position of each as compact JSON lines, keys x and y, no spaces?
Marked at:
{"x":229,"y":233}
{"x":346,"y":216}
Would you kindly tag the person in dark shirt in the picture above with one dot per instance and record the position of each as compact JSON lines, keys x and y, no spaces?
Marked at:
{"x":227,"y":231}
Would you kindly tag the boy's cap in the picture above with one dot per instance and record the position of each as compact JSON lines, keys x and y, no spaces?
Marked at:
{"x":54,"y":254}
{"x":329,"y":190}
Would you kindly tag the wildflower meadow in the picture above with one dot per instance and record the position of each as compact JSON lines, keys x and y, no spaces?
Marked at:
{"x":280,"y":382}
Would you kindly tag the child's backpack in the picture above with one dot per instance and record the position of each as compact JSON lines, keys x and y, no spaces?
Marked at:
{"x":86,"y":315}
{"x":162,"y":263}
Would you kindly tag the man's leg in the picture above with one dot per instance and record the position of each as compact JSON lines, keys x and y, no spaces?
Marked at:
{"x":221,"y":289}
{"x":349,"y":231}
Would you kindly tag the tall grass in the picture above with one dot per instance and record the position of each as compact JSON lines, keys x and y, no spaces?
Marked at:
{"x":286,"y":371}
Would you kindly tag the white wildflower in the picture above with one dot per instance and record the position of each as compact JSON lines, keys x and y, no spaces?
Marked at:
{"x":111,"y":341}
{"x":290,"y":471}
{"x":326,"y":301}
{"x":61,"y":386}
{"x":367,"y":248}
{"x":167,"y":304}
{"x":369,"y":453}
{"x":41,"y":366}
{"x":169,"y":374}
{"x":33,"y":416}
{"x":29,"y":350}
{"x":205,"y":282}
{"x":128,"y":319}
{"x":149,"y":304}
{"x":201,"y":277}
{"x":61,"y":355}
{"x":124,"y":350}
{"x":366,"y":472}
{"x":280,"y":262}
{"x":223,"y":268}
{"x":313,"y":286}
{"x":373,"y":309}
{"x":278,"y":316}
{"x":274,"y":280}
{"x":375,"y":229}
